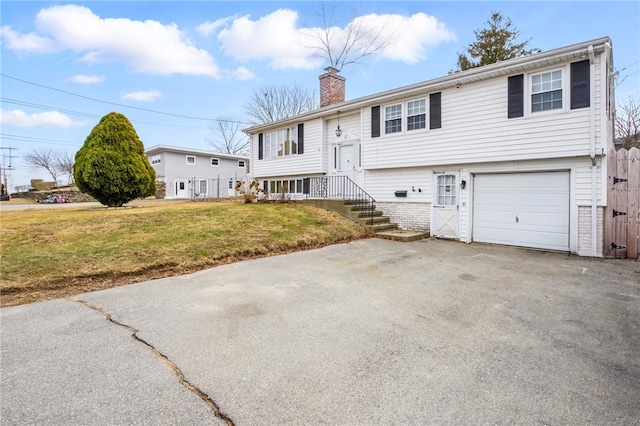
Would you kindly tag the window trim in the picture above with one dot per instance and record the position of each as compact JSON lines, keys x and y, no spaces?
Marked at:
{"x":280,"y":140}
{"x":423,"y":113}
{"x":187,"y":160}
{"x":387,"y":120}
{"x":565,"y":91}
{"x":379,"y":117}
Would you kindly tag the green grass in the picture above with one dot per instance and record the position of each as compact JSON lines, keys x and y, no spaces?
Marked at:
{"x":53,"y":253}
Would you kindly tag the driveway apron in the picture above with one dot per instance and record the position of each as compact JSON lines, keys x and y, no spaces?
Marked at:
{"x":369,"y":332}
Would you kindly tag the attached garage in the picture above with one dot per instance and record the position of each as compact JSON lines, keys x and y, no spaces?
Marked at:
{"x":522,"y":209}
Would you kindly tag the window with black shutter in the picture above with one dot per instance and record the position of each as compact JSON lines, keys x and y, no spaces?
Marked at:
{"x":260,"y":146}
{"x":435,"y":110}
{"x":300,"y":138}
{"x":580,"y":84}
{"x":516,"y":96}
{"x":375,"y":121}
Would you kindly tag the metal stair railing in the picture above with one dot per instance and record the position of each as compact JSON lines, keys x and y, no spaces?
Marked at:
{"x":340,"y":187}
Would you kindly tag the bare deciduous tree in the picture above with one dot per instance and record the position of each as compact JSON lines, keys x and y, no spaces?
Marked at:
{"x":337,"y":47}
{"x":275,"y":103}
{"x":341,"y":47}
{"x":628,"y":123}
{"x":227,"y":137}
{"x":46,"y":159}
{"x":57,"y":163}
{"x":64,"y":163}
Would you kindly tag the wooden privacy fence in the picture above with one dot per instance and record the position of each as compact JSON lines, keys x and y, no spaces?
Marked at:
{"x":622,"y":215}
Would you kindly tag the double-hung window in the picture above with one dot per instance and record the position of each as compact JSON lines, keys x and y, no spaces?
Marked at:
{"x":546,"y":91}
{"x":416,"y":115}
{"x":393,"y":118}
{"x":281,"y":142}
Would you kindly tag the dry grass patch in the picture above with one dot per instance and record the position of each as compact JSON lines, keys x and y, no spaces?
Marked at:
{"x":56,"y":253}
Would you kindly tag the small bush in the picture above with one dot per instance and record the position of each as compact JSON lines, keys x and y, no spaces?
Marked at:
{"x":250,"y":192}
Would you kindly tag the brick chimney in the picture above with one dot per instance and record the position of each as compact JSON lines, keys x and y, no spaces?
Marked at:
{"x":331,"y":87}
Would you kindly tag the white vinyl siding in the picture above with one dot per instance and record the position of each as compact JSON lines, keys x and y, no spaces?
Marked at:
{"x":475,"y":128}
{"x":382,"y":184}
{"x":309,"y":162}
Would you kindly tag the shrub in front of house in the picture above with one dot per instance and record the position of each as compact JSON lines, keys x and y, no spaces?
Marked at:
{"x":111,"y":165}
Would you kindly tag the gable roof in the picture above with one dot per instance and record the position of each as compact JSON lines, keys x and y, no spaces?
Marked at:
{"x":164,"y":148}
{"x":502,"y":68}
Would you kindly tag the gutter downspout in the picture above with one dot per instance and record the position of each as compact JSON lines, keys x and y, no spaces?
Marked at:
{"x":592,"y":154}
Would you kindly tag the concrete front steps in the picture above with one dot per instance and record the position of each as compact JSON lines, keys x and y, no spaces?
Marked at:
{"x":375,"y":222}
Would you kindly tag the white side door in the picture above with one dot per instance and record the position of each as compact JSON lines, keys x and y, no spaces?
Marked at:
{"x":445,"y":207}
{"x":231,"y":188}
{"x":182,"y":189}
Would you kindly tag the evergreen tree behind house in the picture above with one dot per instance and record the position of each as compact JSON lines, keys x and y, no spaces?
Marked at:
{"x":496,"y":43}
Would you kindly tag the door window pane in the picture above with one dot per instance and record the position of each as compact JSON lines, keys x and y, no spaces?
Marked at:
{"x":446,"y":190}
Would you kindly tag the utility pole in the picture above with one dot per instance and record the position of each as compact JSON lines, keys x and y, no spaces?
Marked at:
{"x":5,"y":169}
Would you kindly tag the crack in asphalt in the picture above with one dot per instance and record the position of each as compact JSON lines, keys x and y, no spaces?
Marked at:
{"x":165,"y":360}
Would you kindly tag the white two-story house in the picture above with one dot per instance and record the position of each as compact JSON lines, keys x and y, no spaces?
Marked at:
{"x":196,"y":174}
{"x":509,"y":153}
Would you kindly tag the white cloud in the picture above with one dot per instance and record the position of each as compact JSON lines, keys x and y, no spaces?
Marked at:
{"x":87,"y":79}
{"x":31,"y":42}
{"x":277,"y":38}
{"x":143,"y":96}
{"x":206,"y":28}
{"x":242,"y":74}
{"x":412,"y":37}
{"x":145,"y":46}
{"x":18,"y":118}
{"x":273,"y":37}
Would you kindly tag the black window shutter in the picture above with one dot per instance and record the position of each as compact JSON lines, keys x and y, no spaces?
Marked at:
{"x":515,"y":98}
{"x":260,"y":146}
{"x":301,"y":138}
{"x":435,"y":110}
{"x":580,"y":84}
{"x":375,"y":121}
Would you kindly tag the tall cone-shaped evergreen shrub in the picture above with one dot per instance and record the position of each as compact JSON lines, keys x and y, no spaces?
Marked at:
{"x":111,"y":165}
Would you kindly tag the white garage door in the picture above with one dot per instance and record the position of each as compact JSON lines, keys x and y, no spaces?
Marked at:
{"x":522,"y":209}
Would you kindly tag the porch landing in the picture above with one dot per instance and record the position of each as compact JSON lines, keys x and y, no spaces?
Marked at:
{"x":404,"y":236}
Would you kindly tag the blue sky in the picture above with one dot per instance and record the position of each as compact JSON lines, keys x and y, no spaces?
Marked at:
{"x":67,"y":64}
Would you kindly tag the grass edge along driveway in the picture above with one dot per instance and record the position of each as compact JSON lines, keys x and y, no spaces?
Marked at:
{"x":50,"y":254}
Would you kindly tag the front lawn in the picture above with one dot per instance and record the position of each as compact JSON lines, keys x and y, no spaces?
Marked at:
{"x":52,"y":253}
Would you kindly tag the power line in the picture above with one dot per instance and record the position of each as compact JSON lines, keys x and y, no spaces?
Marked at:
{"x":114,"y":103}
{"x":82,"y":114}
{"x":20,"y":138}
{"x":104,"y":102}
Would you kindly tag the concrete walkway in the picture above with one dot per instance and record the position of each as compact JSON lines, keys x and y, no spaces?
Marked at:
{"x":370,"y":332}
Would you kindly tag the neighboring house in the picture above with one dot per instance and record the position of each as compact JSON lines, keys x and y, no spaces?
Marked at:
{"x":509,"y":153}
{"x":193,"y":174}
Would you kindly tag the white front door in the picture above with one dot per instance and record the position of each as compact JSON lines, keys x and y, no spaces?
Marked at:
{"x":231,"y":188}
{"x":346,"y":164}
{"x":445,"y":206}
{"x":182,"y":189}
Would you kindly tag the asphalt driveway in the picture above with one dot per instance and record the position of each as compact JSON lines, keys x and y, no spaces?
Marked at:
{"x":366,"y":333}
